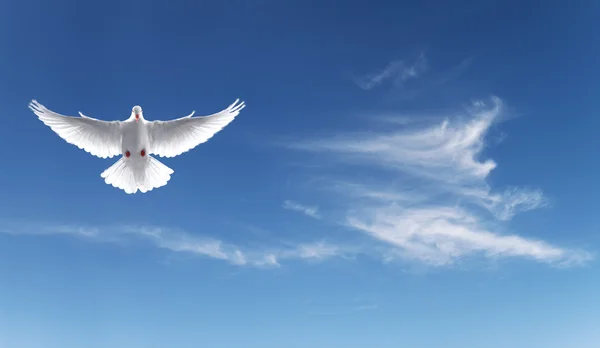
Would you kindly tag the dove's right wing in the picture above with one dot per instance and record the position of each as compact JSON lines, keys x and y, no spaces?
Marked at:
{"x":174,"y":137}
{"x":99,"y":138}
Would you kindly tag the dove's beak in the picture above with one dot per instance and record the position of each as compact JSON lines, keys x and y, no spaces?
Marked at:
{"x":137,"y":117}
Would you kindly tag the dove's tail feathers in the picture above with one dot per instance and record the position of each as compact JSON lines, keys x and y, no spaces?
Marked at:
{"x":131,"y":176}
{"x":121,"y":175}
{"x":154,"y":175}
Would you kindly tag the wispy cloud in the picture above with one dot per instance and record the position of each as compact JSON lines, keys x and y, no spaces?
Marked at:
{"x":453,"y":72}
{"x":179,"y":241}
{"x":442,"y":235}
{"x":317,"y":251}
{"x":311,"y":211}
{"x":430,"y":201}
{"x":404,"y":80}
{"x":397,"y":72}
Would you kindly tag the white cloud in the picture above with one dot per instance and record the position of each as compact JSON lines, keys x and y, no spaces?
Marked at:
{"x":432,"y":213}
{"x":513,"y":201}
{"x":317,"y":251}
{"x":443,"y":152}
{"x":182,"y":242}
{"x":442,"y":235}
{"x":311,"y":211}
{"x":364,"y":191}
{"x":397,"y":71}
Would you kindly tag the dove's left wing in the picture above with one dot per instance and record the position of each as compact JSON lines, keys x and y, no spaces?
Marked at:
{"x":172,"y":138}
{"x":99,"y":138}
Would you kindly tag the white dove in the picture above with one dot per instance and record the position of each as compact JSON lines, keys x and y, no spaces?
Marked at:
{"x":136,"y":139}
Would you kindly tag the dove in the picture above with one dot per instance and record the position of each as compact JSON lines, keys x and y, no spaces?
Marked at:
{"x":136,"y":140}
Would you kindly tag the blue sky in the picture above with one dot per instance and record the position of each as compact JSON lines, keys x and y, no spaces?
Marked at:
{"x":417,"y":175}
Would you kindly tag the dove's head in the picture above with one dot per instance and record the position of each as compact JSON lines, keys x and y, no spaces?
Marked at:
{"x":136,"y":113}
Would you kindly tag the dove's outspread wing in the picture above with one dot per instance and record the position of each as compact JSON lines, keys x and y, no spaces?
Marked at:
{"x":172,"y":138}
{"x":99,"y":138}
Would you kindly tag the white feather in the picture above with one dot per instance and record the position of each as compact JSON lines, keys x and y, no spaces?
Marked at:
{"x":133,"y":176}
{"x":99,"y":138}
{"x":172,"y":138}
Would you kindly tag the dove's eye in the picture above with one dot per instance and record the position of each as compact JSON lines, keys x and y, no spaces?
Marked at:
{"x":127,"y":154}
{"x":143,"y":153}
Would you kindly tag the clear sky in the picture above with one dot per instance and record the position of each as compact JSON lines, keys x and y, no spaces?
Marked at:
{"x":405,"y":174}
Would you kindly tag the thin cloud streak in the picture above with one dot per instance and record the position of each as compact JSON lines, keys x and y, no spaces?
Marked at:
{"x":439,"y":218}
{"x":410,"y":79}
{"x":454,"y":72}
{"x":311,"y":211}
{"x":182,"y":242}
{"x":397,"y":71}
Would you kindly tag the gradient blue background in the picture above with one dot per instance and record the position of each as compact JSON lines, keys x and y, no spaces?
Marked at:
{"x":290,"y":61}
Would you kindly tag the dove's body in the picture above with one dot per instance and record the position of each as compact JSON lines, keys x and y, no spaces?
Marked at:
{"x":136,"y":170}
{"x":135,"y":139}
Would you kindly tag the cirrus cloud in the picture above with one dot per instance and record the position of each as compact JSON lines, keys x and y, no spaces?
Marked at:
{"x":428,"y":198}
{"x":180,"y":241}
